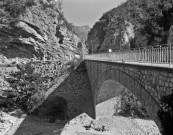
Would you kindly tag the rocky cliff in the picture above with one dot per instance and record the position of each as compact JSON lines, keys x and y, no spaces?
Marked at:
{"x":36,"y":32}
{"x":133,"y":24}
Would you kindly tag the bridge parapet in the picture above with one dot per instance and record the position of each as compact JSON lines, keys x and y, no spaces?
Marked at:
{"x":162,"y":54}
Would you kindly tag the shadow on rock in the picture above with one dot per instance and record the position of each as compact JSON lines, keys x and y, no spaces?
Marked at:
{"x":56,"y":108}
{"x":70,"y":99}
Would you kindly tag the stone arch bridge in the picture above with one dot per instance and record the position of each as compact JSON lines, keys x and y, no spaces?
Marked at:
{"x":148,"y":82}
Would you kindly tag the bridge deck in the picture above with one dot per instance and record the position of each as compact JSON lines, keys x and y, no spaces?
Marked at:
{"x":155,"y":56}
{"x":156,"y":65}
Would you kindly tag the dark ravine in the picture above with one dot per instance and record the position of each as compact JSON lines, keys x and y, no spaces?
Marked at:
{"x":37,"y":33}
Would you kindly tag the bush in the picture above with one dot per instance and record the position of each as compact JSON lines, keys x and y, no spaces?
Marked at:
{"x":28,"y":89}
{"x":166,"y":114}
{"x":17,"y":7}
{"x":30,"y":3}
{"x":130,"y":106}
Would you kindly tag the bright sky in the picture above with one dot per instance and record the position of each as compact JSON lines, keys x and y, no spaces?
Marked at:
{"x":87,"y":12}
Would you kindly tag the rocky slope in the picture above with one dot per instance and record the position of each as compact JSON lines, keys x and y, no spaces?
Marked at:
{"x":38,"y":31}
{"x":135,"y":23}
{"x":82,"y":31}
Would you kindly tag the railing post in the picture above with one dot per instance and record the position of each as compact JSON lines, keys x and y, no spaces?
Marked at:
{"x":160,"y":54}
{"x":139,"y":55}
{"x":134,"y":55}
{"x":141,"y":52}
{"x":170,"y":55}
{"x":145,"y":55}
{"x":152,"y":54}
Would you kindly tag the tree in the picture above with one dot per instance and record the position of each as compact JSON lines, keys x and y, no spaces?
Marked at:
{"x":17,"y":7}
{"x":165,"y":114}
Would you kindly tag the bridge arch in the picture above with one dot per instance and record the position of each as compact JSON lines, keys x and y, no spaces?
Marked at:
{"x":109,"y":89}
{"x":133,"y":84}
{"x":149,"y":83}
{"x":108,"y":100}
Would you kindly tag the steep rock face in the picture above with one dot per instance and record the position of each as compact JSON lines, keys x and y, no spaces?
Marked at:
{"x":112,"y":36}
{"x":35,"y":34}
{"x":170,"y":38}
{"x":131,"y":25}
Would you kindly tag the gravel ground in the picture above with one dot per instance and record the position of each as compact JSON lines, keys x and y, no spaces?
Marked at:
{"x":6,"y":122}
{"x":113,"y":125}
{"x":33,"y":125}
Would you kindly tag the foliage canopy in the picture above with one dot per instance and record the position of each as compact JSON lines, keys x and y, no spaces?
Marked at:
{"x":151,"y":20}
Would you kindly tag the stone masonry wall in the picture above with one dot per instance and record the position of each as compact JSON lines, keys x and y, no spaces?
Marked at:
{"x":75,"y":90}
{"x":147,"y":83}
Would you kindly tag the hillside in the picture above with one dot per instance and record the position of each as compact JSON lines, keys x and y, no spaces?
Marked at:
{"x":82,"y":32}
{"x":133,"y":24}
{"x":34,"y":29}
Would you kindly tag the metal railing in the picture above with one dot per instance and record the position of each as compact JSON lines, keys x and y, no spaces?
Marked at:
{"x":162,"y":54}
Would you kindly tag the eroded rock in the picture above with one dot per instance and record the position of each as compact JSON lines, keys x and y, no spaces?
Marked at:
{"x":34,"y":34}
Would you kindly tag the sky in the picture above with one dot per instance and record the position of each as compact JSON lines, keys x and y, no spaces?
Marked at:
{"x":87,"y":12}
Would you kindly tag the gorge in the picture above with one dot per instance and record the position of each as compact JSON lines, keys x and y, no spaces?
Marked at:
{"x":47,"y":84}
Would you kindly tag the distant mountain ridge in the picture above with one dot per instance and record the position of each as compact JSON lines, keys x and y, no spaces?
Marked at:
{"x":82,"y":32}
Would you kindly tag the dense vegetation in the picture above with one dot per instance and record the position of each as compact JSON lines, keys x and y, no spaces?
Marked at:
{"x":16,"y":7}
{"x":10,"y":10}
{"x":166,"y":114}
{"x":151,"y":20}
{"x":27,"y":86}
{"x":131,"y":106}
{"x":27,"y":89}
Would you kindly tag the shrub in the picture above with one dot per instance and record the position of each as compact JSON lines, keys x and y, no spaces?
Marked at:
{"x":130,"y":106}
{"x":166,"y":114}
{"x":17,"y":7}
{"x":28,"y":89}
{"x":30,"y":3}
